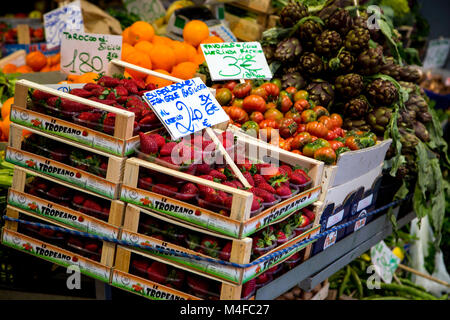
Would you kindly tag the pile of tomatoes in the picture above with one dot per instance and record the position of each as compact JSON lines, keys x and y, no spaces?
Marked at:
{"x":289,"y":118}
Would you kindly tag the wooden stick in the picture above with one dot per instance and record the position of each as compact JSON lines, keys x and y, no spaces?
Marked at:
{"x":423,"y":275}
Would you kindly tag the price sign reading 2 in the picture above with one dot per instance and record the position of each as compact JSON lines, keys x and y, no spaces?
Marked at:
{"x":85,"y":63}
{"x":192,"y":115}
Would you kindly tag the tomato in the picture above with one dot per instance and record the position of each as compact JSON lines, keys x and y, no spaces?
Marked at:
{"x":321,"y":111}
{"x":284,"y":103}
{"x":309,"y":149}
{"x":301,"y":94}
{"x":301,"y":140}
{"x":325,"y":154}
{"x":301,"y":105}
{"x":271,"y":105}
{"x":230,"y":85}
{"x":256,"y":116}
{"x":284,"y":144}
{"x":277,"y":82}
{"x":224,"y":96}
{"x":273,"y":114}
{"x":293,"y":114}
{"x":317,"y":129}
{"x":268,"y":134}
{"x":313,"y":138}
{"x":242,"y":90}
{"x":322,"y":142}
{"x":352,"y":143}
{"x":301,"y":127}
{"x":331,"y":135}
{"x":237,"y":114}
{"x":326,"y":120}
{"x":291,"y":90}
{"x":251,"y":127}
{"x":217,"y":86}
{"x":336,"y":119}
{"x":336,"y":144}
{"x":238,"y":103}
{"x":254,"y":103}
{"x":297,"y":152}
{"x":259,"y":92}
{"x":308,"y":116}
{"x":341,"y":150}
{"x":272,"y":90}
{"x":269,"y":123}
{"x":287,"y":127}
{"x":339,"y":131}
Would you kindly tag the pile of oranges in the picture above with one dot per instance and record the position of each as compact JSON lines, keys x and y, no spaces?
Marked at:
{"x":35,"y":61}
{"x":4,"y":121}
{"x":180,"y":59}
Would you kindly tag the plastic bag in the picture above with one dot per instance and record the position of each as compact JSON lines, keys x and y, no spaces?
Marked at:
{"x":419,"y":251}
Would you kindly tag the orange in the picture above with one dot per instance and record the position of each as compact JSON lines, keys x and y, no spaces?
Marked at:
{"x":126,"y":36}
{"x":191,"y":52}
{"x":54,"y":59}
{"x":126,"y":50}
{"x":9,"y":68}
{"x":162,"y":57}
{"x":36,"y":60}
{"x":144,"y":46}
{"x":140,"y":59}
{"x":212,"y":39}
{"x":127,"y":75}
{"x":88,"y":77}
{"x":55,"y":67}
{"x":162,"y":40}
{"x":24,"y":69}
{"x":198,"y":59}
{"x":5,"y":124}
{"x":159,"y":82}
{"x":184,"y":70}
{"x":6,"y":107}
{"x":179,"y":51}
{"x":195,"y":31}
{"x":140,"y":30}
{"x":47,"y":68}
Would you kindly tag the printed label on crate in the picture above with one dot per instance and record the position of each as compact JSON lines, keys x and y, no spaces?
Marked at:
{"x":59,"y":213}
{"x":181,"y":210}
{"x":146,"y":288}
{"x":384,"y":260}
{"x":68,"y":17}
{"x":330,"y":239}
{"x":54,"y":254}
{"x":364,"y":203}
{"x":186,"y":107}
{"x":65,"y":129}
{"x":223,"y":272}
{"x":335,"y":218}
{"x":361,"y":222}
{"x":280,"y":211}
{"x":88,"y":52}
{"x":61,"y":171}
{"x":236,"y":60}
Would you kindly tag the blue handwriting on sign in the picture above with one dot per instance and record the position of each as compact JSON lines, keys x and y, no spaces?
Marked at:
{"x":206,"y":101}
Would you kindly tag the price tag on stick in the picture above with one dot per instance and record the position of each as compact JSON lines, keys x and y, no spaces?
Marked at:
{"x":68,"y":17}
{"x":236,"y":60}
{"x":384,"y":260}
{"x":87,"y":52}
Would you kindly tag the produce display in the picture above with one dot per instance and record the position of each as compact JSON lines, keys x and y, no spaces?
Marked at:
{"x":35,"y":61}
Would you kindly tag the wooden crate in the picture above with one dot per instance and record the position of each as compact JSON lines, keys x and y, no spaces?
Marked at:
{"x":21,"y":201}
{"x":260,"y":6}
{"x":108,"y":186}
{"x":245,"y":30}
{"x":240,"y":250}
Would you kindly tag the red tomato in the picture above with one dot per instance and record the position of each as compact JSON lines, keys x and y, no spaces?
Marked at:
{"x":321,"y":111}
{"x":308,"y":116}
{"x":337,"y":120}
{"x":301,"y":105}
{"x":273,"y":114}
{"x":293,"y":114}
{"x":284,"y":103}
{"x":230,"y":85}
{"x":301,"y":127}
{"x":336,"y":144}
{"x":291,"y":90}
{"x":326,"y":120}
{"x":272,"y":90}
{"x":287,"y":127}
{"x":300,"y":140}
{"x":316,"y":128}
{"x":254,"y":103}
{"x":269,"y":123}
{"x":237,"y":114}
{"x":242,"y":90}
{"x":257,"y":116}
{"x":259,"y":92}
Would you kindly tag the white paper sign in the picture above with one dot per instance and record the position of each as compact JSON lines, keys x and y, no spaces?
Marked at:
{"x":437,"y":53}
{"x":147,"y":10}
{"x":186,"y":107}
{"x":236,"y":60}
{"x":384,"y":260}
{"x":68,"y":17}
{"x":66,"y":87}
{"x":88,"y":52}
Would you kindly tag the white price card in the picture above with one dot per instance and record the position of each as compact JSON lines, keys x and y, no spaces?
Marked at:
{"x":68,"y":17}
{"x":147,"y":10}
{"x":384,"y":260}
{"x":236,"y":60}
{"x":437,"y":53}
{"x":186,"y":107}
{"x":87,"y":52}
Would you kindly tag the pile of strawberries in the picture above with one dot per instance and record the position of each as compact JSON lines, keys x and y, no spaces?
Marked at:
{"x":88,"y":204}
{"x":119,"y":93}
{"x":75,"y":157}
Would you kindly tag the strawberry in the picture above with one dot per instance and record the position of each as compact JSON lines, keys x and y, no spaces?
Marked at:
{"x":203,"y":168}
{"x":249,"y":178}
{"x":54,"y":102}
{"x":229,"y":183}
{"x":110,"y":96}
{"x":159,"y":139}
{"x":148,"y":144}
{"x":92,"y":206}
{"x":57,"y":191}
{"x":139,"y":83}
{"x":285,"y":169}
{"x":210,"y":247}
{"x":267,"y":239}
{"x":108,"y":82}
{"x":148,"y":119}
{"x":198,"y":285}
{"x":281,"y":236}
{"x":248,"y":288}
{"x":228,"y":202}
{"x":176,"y":278}
{"x":72,"y":106}
{"x":78,"y":199}
{"x":167,"y":148}
{"x":167,"y":159}
{"x":238,"y":184}
{"x":303,"y":221}
{"x":81,"y":93}
{"x":145,"y":183}
{"x":193,"y":241}
{"x":121,"y":90}
{"x":283,"y":191}
{"x":104,"y":101}
{"x":309,"y":214}
{"x":263,"y":278}
{"x":150,"y":86}
{"x":75,"y":242}
{"x":298,"y":179}
{"x":187,"y":192}
{"x":267,"y":196}
{"x":217,"y":175}
{"x":225,"y":253}
{"x":137,"y":112}
{"x":267,"y":187}
{"x":130,"y":86}
{"x":260,"y":166}
{"x":135,"y":102}
{"x":109,"y":122}
{"x":255,"y":204}
{"x":93,"y":247}
{"x":40,"y":95}
{"x":157,"y":272}
{"x":140,"y":266}
{"x":213,"y":197}
{"x":164,"y":189}
{"x":92,"y":86}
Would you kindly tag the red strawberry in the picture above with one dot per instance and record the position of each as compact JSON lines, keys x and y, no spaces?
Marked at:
{"x":148,"y":119}
{"x":121,"y":90}
{"x":258,"y":179}
{"x":217,"y":175}
{"x":164,"y":189}
{"x":309,"y":214}
{"x":148,"y":144}
{"x":157,"y":272}
{"x":72,"y":106}
{"x":130,"y":86}
{"x":263,"y":278}
{"x":167,"y":148}
{"x":78,"y":199}
{"x":54,"y":102}
{"x":104,"y":101}
{"x":109,"y":123}
{"x":145,"y":183}
{"x":92,"y":86}
{"x":167,"y":159}
{"x":286,"y":169}
{"x":137,"y":112}
{"x":187,"y":192}
{"x":93,"y":247}
{"x":139,"y":83}
{"x":255,"y":204}
{"x":238,"y":184}
{"x":305,"y":222}
{"x":108,"y":82}
{"x":203,"y":168}
{"x":248,"y":288}
{"x":198,"y":285}
{"x":281,"y":236}
{"x":249,"y":178}
{"x":111,"y":96}
{"x":81,"y":93}
{"x":206,"y":176}
{"x":267,"y":187}
{"x":229,"y":183}
{"x":159,"y":139}
{"x":41,"y":95}
{"x":213,"y":197}
{"x":210,"y":247}
{"x":140,"y":266}
{"x":122,"y":100}
{"x":75,"y":242}
{"x":225,"y":253}
{"x":176,"y":278}
{"x":150,"y":86}
{"x":283,"y":191}
{"x":92,"y":206}
{"x":267,"y":196}
{"x":298,"y":179}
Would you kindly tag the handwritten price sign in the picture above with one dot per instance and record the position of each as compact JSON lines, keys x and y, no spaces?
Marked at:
{"x":186,"y":107}
{"x":236,"y":60}
{"x":85,"y":52}
{"x":384,"y":260}
{"x":57,"y":21}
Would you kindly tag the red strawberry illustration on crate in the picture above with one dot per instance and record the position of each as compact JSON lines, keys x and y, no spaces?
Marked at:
{"x":78,"y":175}
{"x":136,"y":287}
{"x":36,"y":122}
{"x":145,"y":201}
{"x":75,"y":259}
{"x":30,"y":163}
{"x":80,"y":219}
{"x":33,"y":206}
{"x":27,"y":247}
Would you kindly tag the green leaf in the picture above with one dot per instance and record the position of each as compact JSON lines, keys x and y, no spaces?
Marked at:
{"x":387,"y":31}
{"x":401,"y":193}
{"x":437,"y":141}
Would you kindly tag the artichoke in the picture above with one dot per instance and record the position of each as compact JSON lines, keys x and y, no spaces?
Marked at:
{"x":321,"y":93}
{"x":362,"y":22}
{"x":358,"y":125}
{"x":292,"y":13}
{"x":417,"y":103}
{"x":379,"y":118}
{"x":408,"y":170}
{"x":269,"y":52}
{"x":311,"y":63}
{"x":381,"y":92}
{"x":356,"y":108}
{"x":421,"y":131}
{"x":308,"y":32}
{"x":369,"y":61}
{"x":349,"y":85}
{"x":343,"y":63}
{"x":340,"y":21}
{"x":406,"y":118}
{"x":391,"y":69}
{"x":409,"y":141}
{"x":357,"y":39}
{"x":327,"y":42}
{"x":293,"y":79}
{"x":409,"y":74}
{"x":288,"y":50}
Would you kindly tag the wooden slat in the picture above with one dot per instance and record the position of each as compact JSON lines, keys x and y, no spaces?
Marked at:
{"x":23,"y":34}
{"x":118,"y":66}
